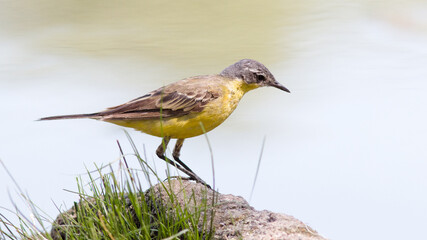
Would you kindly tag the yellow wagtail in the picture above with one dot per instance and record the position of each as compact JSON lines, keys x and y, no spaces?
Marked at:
{"x":179,"y":110}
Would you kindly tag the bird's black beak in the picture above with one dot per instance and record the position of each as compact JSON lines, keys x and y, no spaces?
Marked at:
{"x":279,"y":86}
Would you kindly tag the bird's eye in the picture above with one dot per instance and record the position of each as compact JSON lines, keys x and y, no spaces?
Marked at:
{"x":260,"y":78}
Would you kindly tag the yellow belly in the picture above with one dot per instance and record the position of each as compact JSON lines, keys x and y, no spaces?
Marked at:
{"x":189,"y":125}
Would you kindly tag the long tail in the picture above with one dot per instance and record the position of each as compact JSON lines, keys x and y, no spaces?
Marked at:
{"x":74,"y":116}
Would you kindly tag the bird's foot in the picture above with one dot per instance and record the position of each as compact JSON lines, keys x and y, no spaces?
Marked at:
{"x":194,"y":178}
{"x":199,"y":180}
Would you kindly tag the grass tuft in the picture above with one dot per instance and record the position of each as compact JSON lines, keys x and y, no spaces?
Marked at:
{"x":114,"y":205}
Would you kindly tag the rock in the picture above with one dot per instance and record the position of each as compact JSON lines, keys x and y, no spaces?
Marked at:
{"x":233,"y":217}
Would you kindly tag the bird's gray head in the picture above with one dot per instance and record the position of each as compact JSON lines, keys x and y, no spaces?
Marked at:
{"x":252,"y":72}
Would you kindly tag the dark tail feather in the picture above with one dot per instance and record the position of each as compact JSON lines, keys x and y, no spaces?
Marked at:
{"x":75,"y":116}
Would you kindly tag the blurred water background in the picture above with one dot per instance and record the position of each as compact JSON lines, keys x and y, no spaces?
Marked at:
{"x":345,"y":151}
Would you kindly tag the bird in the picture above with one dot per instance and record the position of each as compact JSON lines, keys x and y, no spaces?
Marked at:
{"x":187,"y":108}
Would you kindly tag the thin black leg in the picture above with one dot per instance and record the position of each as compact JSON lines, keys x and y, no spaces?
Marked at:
{"x":176,"y":153}
{"x":178,"y":163}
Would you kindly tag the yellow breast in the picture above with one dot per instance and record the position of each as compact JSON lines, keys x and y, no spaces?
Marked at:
{"x":213,"y":114}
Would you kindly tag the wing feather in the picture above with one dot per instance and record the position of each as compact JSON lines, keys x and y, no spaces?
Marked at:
{"x":174,"y":100}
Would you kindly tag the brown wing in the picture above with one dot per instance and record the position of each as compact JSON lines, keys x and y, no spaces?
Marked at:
{"x":174,"y":100}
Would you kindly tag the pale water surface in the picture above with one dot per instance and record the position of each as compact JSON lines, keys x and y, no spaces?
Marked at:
{"x":345,"y":152}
